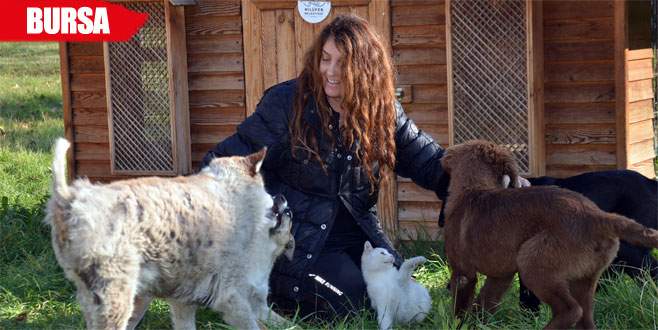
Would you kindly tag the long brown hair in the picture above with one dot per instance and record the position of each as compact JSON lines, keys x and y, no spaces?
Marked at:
{"x":368,"y":94}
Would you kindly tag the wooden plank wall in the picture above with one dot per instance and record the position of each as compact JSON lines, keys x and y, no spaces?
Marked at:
{"x":216,"y":87}
{"x":639,"y":107}
{"x":215,"y":72}
{"x":89,"y":111}
{"x":638,"y":60}
{"x":579,"y":90}
{"x":419,"y":52}
{"x":579,"y":87}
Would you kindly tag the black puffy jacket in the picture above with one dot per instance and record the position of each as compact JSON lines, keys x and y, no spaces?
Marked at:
{"x":312,"y":193}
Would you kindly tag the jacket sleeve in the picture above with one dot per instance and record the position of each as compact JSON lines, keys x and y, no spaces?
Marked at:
{"x":266,"y":127}
{"x":418,"y":156}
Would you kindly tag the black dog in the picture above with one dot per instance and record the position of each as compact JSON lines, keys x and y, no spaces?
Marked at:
{"x":623,"y":192}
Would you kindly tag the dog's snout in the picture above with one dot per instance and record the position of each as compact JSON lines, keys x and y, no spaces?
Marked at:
{"x":279,"y":199}
{"x":280,"y":204}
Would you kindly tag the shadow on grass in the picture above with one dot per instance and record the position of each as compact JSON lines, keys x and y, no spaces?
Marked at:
{"x":35,"y":136}
{"x":30,"y":121}
{"x":33,"y":59}
{"x":22,"y":231}
{"x":22,"y":321}
{"x":34,"y":293}
{"x":31,"y":106}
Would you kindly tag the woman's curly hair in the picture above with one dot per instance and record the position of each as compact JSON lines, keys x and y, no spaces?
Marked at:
{"x":368,"y":95}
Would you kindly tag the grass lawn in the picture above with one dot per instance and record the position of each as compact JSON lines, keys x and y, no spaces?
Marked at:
{"x":35,"y":295}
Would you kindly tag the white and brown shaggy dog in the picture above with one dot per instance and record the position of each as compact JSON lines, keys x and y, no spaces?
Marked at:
{"x":209,"y":239}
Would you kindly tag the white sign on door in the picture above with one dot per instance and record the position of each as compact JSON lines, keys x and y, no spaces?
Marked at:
{"x":313,"y":11}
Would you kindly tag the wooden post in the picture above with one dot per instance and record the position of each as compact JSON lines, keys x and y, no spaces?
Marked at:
{"x":253,"y":73}
{"x":620,"y":83}
{"x":66,"y":107}
{"x":387,"y":203}
{"x":451,"y":110}
{"x":178,"y":89}
{"x":535,"y":60}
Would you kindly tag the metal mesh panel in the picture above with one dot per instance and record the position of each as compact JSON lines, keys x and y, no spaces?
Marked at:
{"x":141,"y":115}
{"x":490,"y":99}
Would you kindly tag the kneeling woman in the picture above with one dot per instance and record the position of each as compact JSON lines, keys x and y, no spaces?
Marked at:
{"x":328,"y":133}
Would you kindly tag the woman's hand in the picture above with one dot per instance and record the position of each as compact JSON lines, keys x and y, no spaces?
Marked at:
{"x":522,"y":182}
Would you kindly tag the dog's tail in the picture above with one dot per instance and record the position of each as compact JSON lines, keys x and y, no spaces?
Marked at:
{"x":633,"y":232}
{"x":60,"y":186}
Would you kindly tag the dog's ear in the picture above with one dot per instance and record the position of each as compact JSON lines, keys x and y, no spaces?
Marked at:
{"x":255,"y":161}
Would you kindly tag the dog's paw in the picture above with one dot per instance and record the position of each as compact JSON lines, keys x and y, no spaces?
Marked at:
{"x":416,"y":261}
{"x":421,"y":260}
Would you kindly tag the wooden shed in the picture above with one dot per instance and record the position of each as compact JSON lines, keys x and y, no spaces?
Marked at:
{"x":567,"y":85}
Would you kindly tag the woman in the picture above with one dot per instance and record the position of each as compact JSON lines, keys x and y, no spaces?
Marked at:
{"x":328,"y":132}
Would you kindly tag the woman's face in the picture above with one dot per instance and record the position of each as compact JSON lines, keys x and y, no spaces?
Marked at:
{"x":331,"y":70}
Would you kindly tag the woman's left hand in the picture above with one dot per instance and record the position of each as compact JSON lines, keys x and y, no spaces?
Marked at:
{"x":522,"y":182}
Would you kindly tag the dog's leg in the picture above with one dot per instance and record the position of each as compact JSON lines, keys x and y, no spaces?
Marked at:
{"x":236,"y":310}
{"x":528,"y":299}
{"x":87,"y":306}
{"x":183,"y":316}
{"x":554,"y":292}
{"x":141,"y":304}
{"x":273,"y":317}
{"x":631,"y":259}
{"x":106,"y":292}
{"x":526,"y":260}
{"x":385,"y":320}
{"x":583,"y":290}
{"x":112,"y":296}
{"x":258,"y":302}
{"x":408,"y":266}
{"x":462,"y":289}
{"x":652,"y":264}
{"x":492,"y":291}
{"x":116,"y":304}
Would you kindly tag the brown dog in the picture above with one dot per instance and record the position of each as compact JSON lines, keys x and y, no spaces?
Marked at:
{"x":557,"y":240}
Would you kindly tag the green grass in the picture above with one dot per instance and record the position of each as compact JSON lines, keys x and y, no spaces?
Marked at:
{"x":34,"y":293}
{"x":30,"y":96}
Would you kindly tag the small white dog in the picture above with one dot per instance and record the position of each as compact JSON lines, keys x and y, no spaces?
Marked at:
{"x":208,"y":239}
{"x":395,"y":295}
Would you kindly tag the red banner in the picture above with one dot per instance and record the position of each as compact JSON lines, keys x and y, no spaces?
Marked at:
{"x":67,"y":20}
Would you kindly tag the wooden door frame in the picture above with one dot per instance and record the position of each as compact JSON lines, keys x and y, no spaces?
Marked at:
{"x":387,"y":203}
{"x":251,"y":44}
{"x":535,"y":84}
{"x":621,"y":104}
{"x":65,"y":74}
{"x":535,"y":63}
{"x":379,"y":13}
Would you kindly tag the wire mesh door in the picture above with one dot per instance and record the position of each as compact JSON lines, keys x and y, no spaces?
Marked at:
{"x":141,"y":136}
{"x":489,"y":74}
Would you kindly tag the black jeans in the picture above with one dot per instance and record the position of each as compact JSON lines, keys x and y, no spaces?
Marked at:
{"x":333,"y":287}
